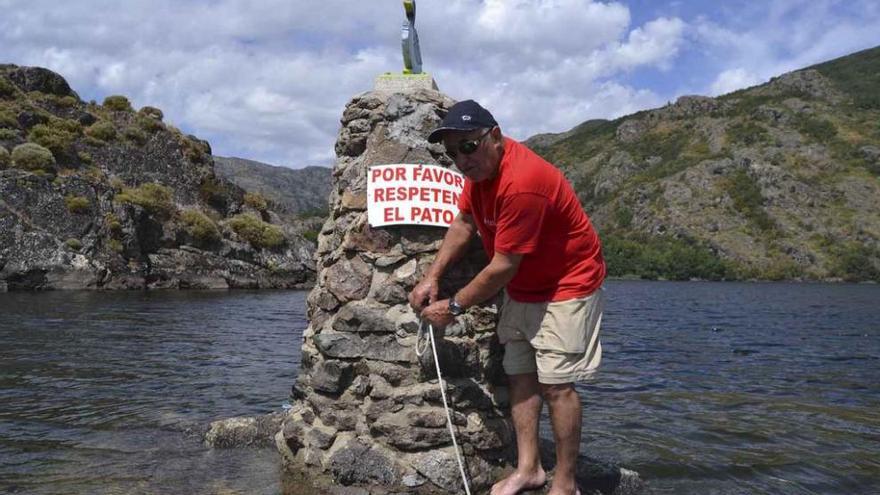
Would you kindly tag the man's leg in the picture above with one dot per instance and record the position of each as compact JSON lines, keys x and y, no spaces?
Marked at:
{"x":525,"y":402}
{"x":565,"y":416}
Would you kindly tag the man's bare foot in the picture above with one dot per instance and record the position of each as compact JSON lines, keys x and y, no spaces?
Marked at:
{"x":519,"y":482}
{"x":556,"y":490}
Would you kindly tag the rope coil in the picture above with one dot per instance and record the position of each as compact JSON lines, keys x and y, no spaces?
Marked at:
{"x":429,"y":329}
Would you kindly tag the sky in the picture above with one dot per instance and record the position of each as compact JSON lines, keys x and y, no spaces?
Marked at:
{"x":268,"y":80}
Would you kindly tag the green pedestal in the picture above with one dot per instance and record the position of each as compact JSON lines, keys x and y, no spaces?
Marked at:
{"x":404,"y":83}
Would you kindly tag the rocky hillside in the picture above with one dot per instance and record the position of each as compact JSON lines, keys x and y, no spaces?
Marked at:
{"x":103,"y":196}
{"x":778,"y":181}
{"x":302,"y":192}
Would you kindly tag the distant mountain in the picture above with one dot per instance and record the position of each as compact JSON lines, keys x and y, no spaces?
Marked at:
{"x":302,"y":192}
{"x":777,"y":181}
{"x":103,"y":196}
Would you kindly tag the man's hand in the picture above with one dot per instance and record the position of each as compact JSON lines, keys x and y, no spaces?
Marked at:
{"x":437,"y":314}
{"x":424,"y":293}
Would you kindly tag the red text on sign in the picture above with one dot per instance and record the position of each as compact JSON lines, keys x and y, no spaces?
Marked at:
{"x":388,"y":174}
{"x":431,"y":215}
{"x":413,"y":193}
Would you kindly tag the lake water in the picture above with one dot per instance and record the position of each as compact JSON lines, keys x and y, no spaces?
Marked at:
{"x":706,"y":388}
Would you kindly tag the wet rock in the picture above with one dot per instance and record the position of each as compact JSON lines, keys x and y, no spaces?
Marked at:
{"x":347,"y":280}
{"x":331,"y":376}
{"x":381,"y":348}
{"x":441,"y":468}
{"x":363,"y":316}
{"x":357,"y":462}
{"x":257,"y":431}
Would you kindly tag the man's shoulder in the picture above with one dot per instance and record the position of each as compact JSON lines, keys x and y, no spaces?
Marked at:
{"x":525,"y":170}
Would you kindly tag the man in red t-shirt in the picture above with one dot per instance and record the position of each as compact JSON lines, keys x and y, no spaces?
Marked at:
{"x":545,"y":253}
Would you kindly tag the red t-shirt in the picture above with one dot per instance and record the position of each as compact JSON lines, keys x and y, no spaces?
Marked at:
{"x":529,"y":208}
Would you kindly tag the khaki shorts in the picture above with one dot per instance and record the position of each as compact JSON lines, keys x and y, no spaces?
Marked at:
{"x":558,"y":340}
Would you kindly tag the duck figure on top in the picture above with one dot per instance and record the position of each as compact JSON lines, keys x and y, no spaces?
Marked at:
{"x":409,"y":40}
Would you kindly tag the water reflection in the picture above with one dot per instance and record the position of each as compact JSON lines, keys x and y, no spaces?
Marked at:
{"x":705,"y":388}
{"x":106,"y":392}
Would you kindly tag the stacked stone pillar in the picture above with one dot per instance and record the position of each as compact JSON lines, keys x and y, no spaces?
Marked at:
{"x":367,"y":410}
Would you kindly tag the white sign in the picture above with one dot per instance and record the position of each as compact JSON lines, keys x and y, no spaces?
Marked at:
{"x":412,"y":194}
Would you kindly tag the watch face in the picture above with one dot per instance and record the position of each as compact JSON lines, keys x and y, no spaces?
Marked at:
{"x":454,"y":308}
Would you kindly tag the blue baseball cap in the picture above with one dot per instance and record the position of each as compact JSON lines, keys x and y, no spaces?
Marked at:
{"x":465,"y":115}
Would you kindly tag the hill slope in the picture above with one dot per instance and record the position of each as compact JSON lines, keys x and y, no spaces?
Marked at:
{"x":101,"y":196}
{"x":777,"y":181}
{"x":294,"y":191}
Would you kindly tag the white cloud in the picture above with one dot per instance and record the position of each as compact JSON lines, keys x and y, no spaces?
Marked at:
{"x":762,"y":40}
{"x":732,"y":80}
{"x":268,"y":80}
{"x":654,"y":44}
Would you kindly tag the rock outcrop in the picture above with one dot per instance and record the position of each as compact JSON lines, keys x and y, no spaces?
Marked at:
{"x":776,"y":181}
{"x":102,"y":197}
{"x":367,"y":410}
{"x":302,"y":192}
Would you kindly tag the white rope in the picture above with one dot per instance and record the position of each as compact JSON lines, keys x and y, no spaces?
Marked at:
{"x":423,"y":328}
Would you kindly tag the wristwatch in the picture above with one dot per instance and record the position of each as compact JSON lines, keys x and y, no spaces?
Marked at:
{"x":455,"y":309}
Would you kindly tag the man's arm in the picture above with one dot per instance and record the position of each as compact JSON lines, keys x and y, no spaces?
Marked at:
{"x":453,"y":247}
{"x":490,"y":280}
{"x":486,"y":284}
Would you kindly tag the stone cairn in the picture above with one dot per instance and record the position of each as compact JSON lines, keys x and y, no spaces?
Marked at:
{"x":366,"y":410}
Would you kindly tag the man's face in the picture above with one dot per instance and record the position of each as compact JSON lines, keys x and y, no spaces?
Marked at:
{"x":483,"y":163}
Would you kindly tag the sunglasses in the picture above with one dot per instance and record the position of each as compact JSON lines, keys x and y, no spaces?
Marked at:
{"x":468,"y":147}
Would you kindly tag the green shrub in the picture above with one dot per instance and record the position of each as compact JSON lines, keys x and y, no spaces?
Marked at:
{"x":118,"y":103}
{"x":747,"y":133}
{"x":4,"y":158}
{"x":7,"y":89}
{"x":102,"y":130}
{"x":200,"y":227}
{"x":623,"y":216}
{"x":95,"y":175}
{"x":8,"y":119}
{"x":56,"y":134}
{"x":66,"y":125}
{"x":115,"y":245}
{"x":780,"y":268}
{"x":257,"y":232}
{"x":8,"y":134}
{"x":674,"y":148}
{"x":77,"y":204}
{"x":668,"y":145}
{"x":135,"y":135}
{"x":214,"y":192}
{"x":858,"y":76}
{"x":323,"y":212}
{"x":819,"y":129}
{"x":84,"y":157}
{"x":67,"y":101}
{"x":311,"y":236}
{"x":74,"y":244}
{"x":655,"y":257}
{"x":31,"y":156}
{"x":748,"y":200}
{"x":151,"y":112}
{"x":155,"y":198}
{"x":96,"y":143}
{"x":256,"y":200}
{"x":113,"y":224}
{"x":149,"y":124}
{"x":855,"y":262}
{"x":195,"y":150}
